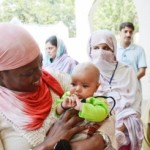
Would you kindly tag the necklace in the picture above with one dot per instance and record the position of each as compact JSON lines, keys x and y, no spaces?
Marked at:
{"x":111,"y":76}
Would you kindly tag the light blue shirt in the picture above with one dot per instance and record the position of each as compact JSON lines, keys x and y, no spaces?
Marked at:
{"x":133,"y":55}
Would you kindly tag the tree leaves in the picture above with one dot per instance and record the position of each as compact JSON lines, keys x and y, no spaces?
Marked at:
{"x":40,"y":12}
{"x":110,"y":13}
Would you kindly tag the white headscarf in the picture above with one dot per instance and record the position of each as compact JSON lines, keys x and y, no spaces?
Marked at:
{"x":14,"y":39}
{"x":123,"y":87}
{"x":102,"y":36}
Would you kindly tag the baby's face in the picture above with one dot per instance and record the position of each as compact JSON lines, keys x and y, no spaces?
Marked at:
{"x":83,"y":85}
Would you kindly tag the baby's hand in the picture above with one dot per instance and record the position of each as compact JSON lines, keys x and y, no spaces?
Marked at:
{"x":69,"y":102}
{"x":78,"y":105}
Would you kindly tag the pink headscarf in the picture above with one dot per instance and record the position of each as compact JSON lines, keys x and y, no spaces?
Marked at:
{"x":26,"y":110}
{"x":14,"y":39}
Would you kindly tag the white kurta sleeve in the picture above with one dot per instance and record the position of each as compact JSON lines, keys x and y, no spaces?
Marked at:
{"x":1,"y":145}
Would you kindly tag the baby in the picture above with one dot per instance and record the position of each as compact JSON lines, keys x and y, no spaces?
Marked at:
{"x":84,"y":83}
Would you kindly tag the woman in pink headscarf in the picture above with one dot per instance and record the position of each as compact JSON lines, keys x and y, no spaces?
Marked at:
{"x":27,"y":99}
{"x":119,"y":81}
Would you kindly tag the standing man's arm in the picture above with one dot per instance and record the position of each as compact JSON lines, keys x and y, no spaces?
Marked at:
{"x":141,"y":73}
{"x":142,"y":65}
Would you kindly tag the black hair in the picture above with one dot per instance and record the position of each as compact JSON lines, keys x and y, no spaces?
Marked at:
{"x":52,"y":40}
{"x":126,"y":24}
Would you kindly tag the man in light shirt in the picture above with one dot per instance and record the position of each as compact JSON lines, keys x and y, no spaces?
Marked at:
{"x":129,"y":53}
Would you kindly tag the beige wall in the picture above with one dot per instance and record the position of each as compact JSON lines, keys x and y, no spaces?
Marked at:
{"x":143,"y":10}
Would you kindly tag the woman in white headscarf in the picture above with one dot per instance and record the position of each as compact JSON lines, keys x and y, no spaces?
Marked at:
{"x":119,"y":81}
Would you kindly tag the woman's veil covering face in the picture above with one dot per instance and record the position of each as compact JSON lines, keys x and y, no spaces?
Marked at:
{"x":102,"y":36}
{"x":17,"y":47}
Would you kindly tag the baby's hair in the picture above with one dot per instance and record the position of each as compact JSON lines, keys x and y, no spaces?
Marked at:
{"x":87,"y":66}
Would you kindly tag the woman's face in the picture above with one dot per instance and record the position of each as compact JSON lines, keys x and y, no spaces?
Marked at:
{"x":23,"y":79}
{"x":51,"y":50}
{"x":102,"y":52}
{"x":102,"y":46}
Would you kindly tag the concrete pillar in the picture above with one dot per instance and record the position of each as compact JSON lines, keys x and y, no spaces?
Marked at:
{"x":91,"y":12}
{"x":82,"y":8}
{"x":143,"y":11}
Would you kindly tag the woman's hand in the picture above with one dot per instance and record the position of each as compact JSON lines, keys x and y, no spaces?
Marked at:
{"x":64,"y":128}
{"x":96,"y":142}
{"x":122,"y":128}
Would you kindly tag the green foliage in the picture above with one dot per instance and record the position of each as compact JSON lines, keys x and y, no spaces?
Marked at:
{"x":40,"y":12}
{"x":110,"y":13}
